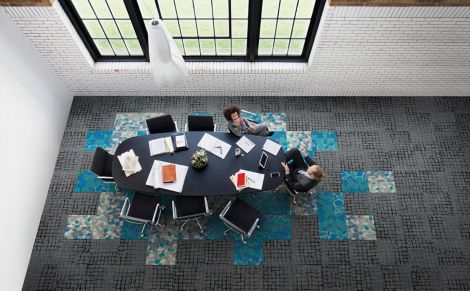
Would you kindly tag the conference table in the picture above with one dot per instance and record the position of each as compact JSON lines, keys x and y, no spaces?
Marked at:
{"x":214,"y":179}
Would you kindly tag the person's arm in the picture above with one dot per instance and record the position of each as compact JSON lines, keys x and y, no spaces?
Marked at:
{"x":234,"y":129}
{"x":309,"y":161}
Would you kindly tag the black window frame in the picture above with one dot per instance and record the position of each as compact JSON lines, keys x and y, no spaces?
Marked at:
{"x":254,"y":26}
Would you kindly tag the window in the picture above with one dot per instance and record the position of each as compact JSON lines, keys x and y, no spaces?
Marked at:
{"x":250,"y":30}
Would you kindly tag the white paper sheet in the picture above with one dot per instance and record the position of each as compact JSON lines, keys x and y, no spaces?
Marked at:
{"x":129,"y":162}
{"x":245,"y":144}
{"x":271,"y":147}
{"x":255,"y":180}
{"x":214,"y":145}
{"x":155,"y":177}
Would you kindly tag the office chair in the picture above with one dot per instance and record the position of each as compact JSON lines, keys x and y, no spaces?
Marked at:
{"x":102,"y":165}
{"x":161,"y":124}
{"x":294,"y":193}
{"x":190,"y":207}
{"x":241,"y":217}
{"x":144,"y":209}
{"x":200,"y":123}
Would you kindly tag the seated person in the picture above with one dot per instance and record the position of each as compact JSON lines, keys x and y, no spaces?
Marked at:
{"x":239,"y":125}
{"x":302,"y":174}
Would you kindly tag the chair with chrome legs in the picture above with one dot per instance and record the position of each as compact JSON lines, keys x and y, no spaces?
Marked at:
{"x":241,"y":217}
{"x":102,"y":166}
{"x":190,"y":207}
{"x":144,"y":209}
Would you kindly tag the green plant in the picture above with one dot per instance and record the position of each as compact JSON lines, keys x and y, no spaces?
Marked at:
{"x":199,"y":159}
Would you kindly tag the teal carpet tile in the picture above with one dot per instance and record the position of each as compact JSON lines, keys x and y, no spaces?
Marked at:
{"x":381,"y":181}
{"x":354,"y":181}
{"x":331,"y":215}
{"x":324,"y":141}
{"x":87,"y":181}
{"x":98,"y":138}
{"x":133,"y":121}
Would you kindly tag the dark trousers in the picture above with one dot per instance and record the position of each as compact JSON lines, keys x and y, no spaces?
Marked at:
{"x":297,"y":158}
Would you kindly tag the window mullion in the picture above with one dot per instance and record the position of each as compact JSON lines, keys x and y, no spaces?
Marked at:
{"x":312,"y":29}
{"x":254,"y":21}
{"x":138,"y":24}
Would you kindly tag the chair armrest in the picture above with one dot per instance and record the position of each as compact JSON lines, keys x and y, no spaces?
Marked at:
{"x":173,"y":208}
{"x":155,"y":212}
{"x":253,"y":227}
{"x":206,"y":204}
{"x":106,"y":178}
{"x":176,"y":126}
{"x":186,"y":127}
{"x":215,"y":127}
{"x":227,"y":207}
{"x":124,"y":207}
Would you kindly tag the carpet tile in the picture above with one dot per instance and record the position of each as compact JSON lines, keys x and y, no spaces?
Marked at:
{"x":381,"y":181}
{"x":281,"y":138}
{"x":97,"y":138}
{"x":106,"y":227}
{"x":306,"y":204}
{"x":119,"y":136}
{"x":324,"y":141}
{"x":274,"y":121}
{"x":87,"y":181}
{"x":354,"y":181}
{"x":331,"y":216}
{"x":111,"y":203}
{"x":79,"y":227}
{"x":301,"y":140}
{"x":133,"y":121}
{"x":361,"y":227}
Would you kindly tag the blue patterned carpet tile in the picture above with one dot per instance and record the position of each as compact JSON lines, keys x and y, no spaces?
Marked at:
{"x":324,"y":141}
{"x":133,"y":121}
{"x":301,"y":140}
{"x":381,"y":181}
{"x":274,"y":121}
{"x":281,"y":138}
{"x":306,"y":205}
{"x":273,"y":227}
{"x":99,"y":138}
{"x":87,"y":181}
{"x":269,"y":202}
{"x":249,"y":254}
{"x":107,"y":227}
{"x":131,"y":231}
{"x":161,"y":252}
{"x":361,"y":227}
{"x":111,"y":203}
{"x":119,"y":136}
{"x":331,"y":215}
{"x":79,"y":227}
{"x":354,"y":181}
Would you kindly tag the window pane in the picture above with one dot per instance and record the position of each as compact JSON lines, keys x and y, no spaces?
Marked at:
{"x":205,"y":28}
{"x":148,"y":9}
{"x":287,"y":9}
{"x":184,"y":8}
{"x":239,"y":8}
{"x":270,"y":8}
{"x":221,"y":28}
{"x":133,"y":46}
{"x":118,"y":9}
{"x":192,"y":47}
{"x":104,"y":47}
{"x":173,"y":27}
{"x":101,"y":9}
{"x":280,"y":46}
{"x":83,"y":8}
{"x":284,"y":28}
{"x":110,"y":29}
{"x":221,"y":8}
{"x":119,"y":47}
{"x":265,"y":47}
{"x":239,"y":47}
{"x":305,"y":8}
{"x":300,"y":28}
{"x":167,"y":8}
{"x":267,"y":28}
{"x":179,"y":44}
{"x":296,"y":47}
{"x":207,"y":47}
{"x":94,"y":28}
{"x":126,"y":28}
{"x":188,"y":28}
{"x":203,"y":8}
{"x":223,"y":46}
{"x":239,"y":28}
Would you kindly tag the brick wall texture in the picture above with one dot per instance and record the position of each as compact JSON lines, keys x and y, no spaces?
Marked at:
{"x":359,"y":51}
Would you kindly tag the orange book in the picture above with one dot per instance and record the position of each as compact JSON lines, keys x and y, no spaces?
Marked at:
{"x":169,"y":173}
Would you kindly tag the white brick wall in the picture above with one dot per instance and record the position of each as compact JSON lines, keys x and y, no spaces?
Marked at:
{"x":362,"y":51}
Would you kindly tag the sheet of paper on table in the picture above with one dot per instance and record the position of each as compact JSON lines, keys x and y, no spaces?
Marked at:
{"x":161,"y":145}
{"x":214,"y":145}
{"x":155,"y":177}
{"x":271,"y":147}
{"x":255,"y":180}
{"x":129,"y":162}
{"x":245,"y":144}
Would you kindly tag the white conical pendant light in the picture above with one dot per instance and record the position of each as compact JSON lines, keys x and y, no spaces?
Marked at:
{"x":166,"y":62}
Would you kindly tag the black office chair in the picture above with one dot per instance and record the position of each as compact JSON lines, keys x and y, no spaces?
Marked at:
{"x":241,"y":217}
{"x":200,"y":123}
{"x":190,"y":207}
{"x":102,"y":165}
{"x":161,"y":124}
{"x":144,"y":209}
{"x":294,"y":193}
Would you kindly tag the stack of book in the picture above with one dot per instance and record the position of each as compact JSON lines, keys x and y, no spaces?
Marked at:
{"x":239,"y":180}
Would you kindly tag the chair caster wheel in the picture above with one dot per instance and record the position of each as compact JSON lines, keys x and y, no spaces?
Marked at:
{"x":181,"y":228}
{"x":163,"y":208}
{"x":202,"y":231}
{"x":225,"y":234}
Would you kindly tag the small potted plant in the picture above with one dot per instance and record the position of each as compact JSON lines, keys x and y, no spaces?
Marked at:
{"x":199,"y":159}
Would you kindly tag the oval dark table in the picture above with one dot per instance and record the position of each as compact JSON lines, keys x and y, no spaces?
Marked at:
{"x":211,"y":181}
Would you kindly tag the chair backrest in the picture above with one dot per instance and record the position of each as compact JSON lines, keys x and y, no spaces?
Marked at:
{"x":189,"y":206}
{"x":160,"y":124}
{"x":200,"y":123}
{"x":102,"y":163}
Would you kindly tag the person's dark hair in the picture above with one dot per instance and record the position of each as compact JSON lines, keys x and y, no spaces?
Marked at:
{"x":229,"y":110}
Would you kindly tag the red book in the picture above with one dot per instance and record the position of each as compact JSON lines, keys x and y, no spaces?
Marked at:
{"x":169,"y":173}
{"x":241,"y":180}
